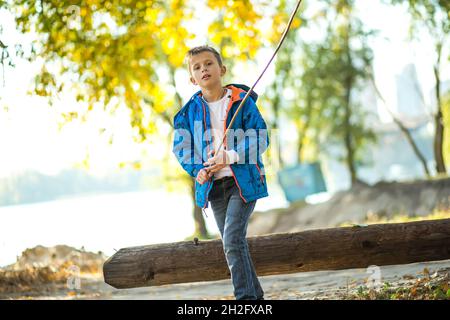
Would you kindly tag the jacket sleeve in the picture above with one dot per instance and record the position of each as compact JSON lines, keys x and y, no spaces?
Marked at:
{"x":251,"y":142}
{"x":183,"y":146}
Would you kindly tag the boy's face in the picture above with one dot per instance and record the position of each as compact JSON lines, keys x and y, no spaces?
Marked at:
{"x":205,"y":70}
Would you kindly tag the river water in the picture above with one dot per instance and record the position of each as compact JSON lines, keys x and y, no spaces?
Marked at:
{"x":104,"y":222}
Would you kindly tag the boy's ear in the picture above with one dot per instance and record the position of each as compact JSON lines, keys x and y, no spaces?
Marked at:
{"x":223,"y":71}
{"x":193,"y":81}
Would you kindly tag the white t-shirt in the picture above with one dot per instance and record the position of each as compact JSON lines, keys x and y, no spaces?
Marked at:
{"x":218,"y":112}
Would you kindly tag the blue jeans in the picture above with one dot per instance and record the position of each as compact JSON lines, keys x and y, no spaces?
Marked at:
{"x":232,"y":214}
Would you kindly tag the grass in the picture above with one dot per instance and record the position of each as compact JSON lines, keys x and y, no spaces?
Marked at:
{"x":426,"y":287}
{"x":373,"y":218}
{"x":422,"y":287}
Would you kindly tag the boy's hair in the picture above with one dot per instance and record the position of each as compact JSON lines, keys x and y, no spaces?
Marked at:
{"x":200,"y":49}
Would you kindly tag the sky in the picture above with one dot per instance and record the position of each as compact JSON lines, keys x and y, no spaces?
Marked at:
{"x":29,"y":135}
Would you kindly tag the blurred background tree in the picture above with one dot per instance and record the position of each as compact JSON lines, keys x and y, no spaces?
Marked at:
{"x":434,"y":17}
{"x":325,"y":78}
{"x":345,"y":68}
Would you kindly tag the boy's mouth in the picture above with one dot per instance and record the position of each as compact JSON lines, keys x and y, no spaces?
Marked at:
{"x":206,"y":76}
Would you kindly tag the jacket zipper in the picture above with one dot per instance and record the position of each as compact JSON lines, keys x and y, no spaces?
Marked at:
{"x":225,"y":144}
{"x":240,"y":191}
{"x":204,"y":122}
{"x":260,"y":175}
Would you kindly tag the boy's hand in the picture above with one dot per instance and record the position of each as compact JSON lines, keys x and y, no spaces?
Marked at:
{"x":217,"y":162}
{"x":203,"y":176}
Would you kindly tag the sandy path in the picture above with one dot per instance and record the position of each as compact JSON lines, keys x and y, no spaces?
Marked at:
{"x":306,"y":285}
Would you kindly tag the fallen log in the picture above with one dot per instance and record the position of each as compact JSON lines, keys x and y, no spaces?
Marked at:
{"x":313,"y":250}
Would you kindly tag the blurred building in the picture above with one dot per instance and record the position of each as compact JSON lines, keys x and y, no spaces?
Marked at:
{"x":410,"y":102}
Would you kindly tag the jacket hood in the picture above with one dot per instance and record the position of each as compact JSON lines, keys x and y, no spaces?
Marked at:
{"x":253,"y":94}
{"x":237,"y":91}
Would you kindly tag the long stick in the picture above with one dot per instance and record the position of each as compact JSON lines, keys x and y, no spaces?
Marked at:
{"x":260,"y":76}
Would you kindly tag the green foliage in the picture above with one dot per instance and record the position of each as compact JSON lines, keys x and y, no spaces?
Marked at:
{"x":327,"y":78}
{"x":106,"y":49}
{"x":114,"y":52}
{"x":432,"y":14}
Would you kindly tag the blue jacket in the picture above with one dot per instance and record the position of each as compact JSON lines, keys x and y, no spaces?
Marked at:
{"x":192,"y":142}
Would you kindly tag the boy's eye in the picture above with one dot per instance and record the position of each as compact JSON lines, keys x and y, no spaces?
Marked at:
{"x":196,"y":68}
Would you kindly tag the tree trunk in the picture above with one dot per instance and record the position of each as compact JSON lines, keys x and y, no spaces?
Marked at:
{"x":200,"y":226}
{"x":276,"y":116}
{"x":348,"y":85}
{"x":323,"y":249}
{"x":350,"y":157}
{"x":439,"y":125}
{"x":199,"y":221}
{"x":301,"y":133}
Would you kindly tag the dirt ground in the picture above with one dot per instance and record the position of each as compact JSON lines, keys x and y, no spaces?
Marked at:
{"x":306,"y":286}
{"x":384,"y":200}
{"x":319,"y":285}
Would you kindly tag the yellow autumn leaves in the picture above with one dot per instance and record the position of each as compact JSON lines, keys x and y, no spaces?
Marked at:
{"x":117,"y":48}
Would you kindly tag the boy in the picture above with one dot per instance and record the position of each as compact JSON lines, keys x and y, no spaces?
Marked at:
{"x":233,"y":178}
